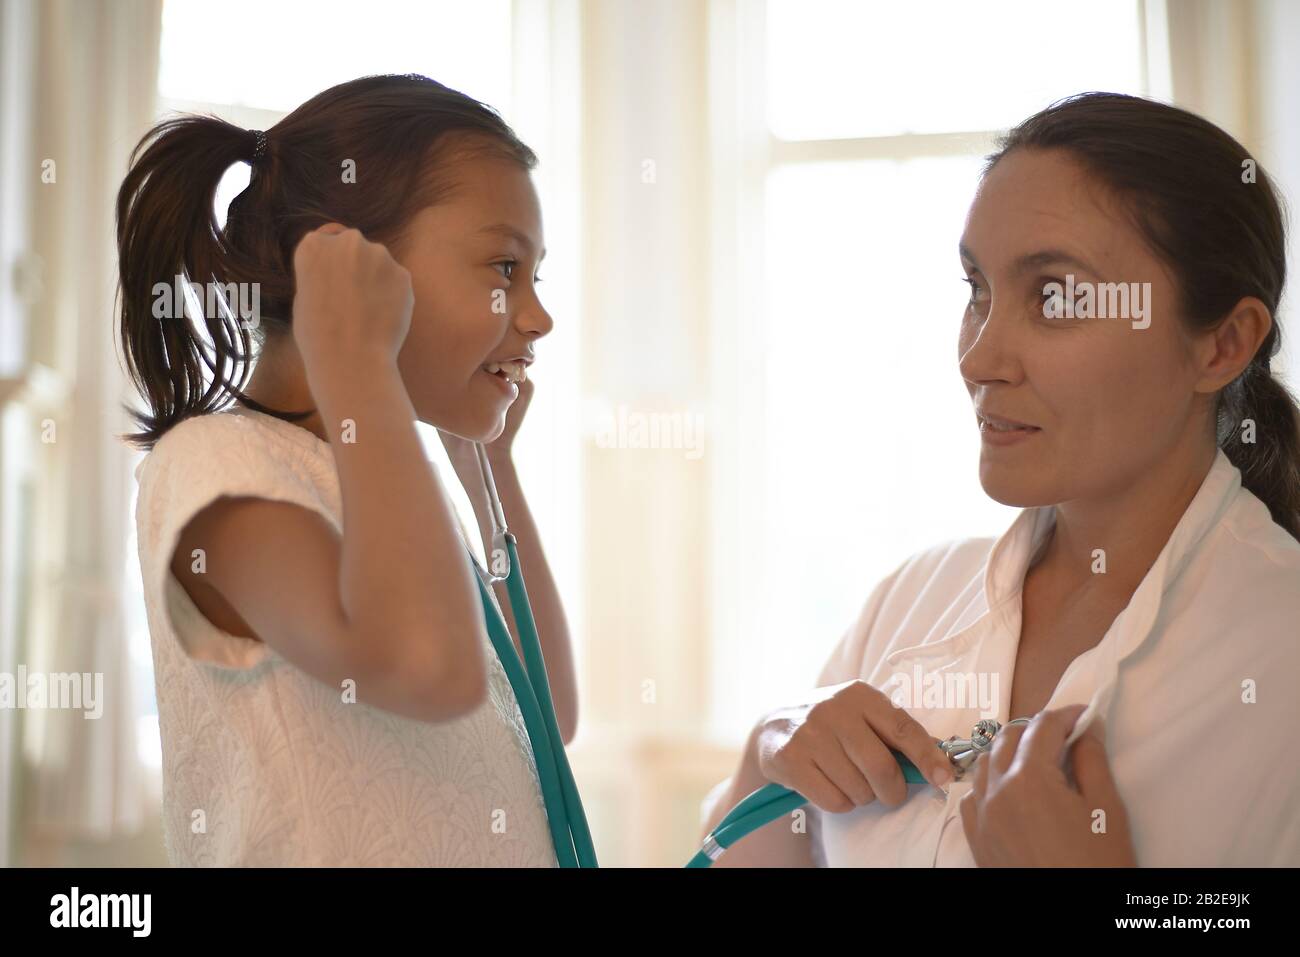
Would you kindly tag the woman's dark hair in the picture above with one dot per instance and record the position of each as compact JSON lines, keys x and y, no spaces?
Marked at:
{"x":366,"y":154}
{"x":1211,"y":214}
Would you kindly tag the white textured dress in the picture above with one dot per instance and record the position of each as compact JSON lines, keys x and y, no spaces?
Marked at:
{"x":264,"y":765}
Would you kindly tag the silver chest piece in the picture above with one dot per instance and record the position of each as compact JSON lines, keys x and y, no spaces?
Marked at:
{"x":962,"y":752}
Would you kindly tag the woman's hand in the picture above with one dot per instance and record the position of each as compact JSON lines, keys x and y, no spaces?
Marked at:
{"x":834,"y":749}
{"x":1023,"y":812}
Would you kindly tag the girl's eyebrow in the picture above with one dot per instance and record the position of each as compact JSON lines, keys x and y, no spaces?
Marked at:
{"x":505,"y":229}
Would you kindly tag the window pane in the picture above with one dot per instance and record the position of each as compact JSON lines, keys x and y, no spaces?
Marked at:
{"x":870,"y":446}
{"x":297,"y":49}
{"x":843,"y":68}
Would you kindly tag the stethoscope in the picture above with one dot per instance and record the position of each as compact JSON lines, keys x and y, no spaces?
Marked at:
{"x":564,"y":812}
{"x":774,"y":800}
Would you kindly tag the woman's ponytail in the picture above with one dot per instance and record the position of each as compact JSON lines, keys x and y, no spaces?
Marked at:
{"x":1259,"y":429}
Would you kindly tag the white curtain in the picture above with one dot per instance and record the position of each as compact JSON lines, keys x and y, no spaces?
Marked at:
{"x":96,"y":80}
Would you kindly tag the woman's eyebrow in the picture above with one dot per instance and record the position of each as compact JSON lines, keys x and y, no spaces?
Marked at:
{"x":1037,"y":260}
{"x":512,"y":232}
{"x":1052,"y":257}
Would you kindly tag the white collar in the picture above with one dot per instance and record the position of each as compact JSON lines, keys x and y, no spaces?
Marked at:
{"x":1010,"y":557}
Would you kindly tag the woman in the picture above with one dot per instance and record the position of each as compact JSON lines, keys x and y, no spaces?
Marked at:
{"x":1126,"y":260}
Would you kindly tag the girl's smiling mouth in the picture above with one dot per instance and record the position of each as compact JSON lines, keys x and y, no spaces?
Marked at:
{"x":506,"y":374}
{"x":513,"y":371}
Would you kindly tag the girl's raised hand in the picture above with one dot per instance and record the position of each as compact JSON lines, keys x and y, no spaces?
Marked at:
{"x":352,"y":298}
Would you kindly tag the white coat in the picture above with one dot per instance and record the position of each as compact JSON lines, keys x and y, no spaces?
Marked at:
{"x":1196,"y":680}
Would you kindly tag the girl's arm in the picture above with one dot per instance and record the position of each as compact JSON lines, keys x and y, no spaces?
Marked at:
{"x":552,"y":626}
{"x":544,"y":596}
{"x":390,"y":604}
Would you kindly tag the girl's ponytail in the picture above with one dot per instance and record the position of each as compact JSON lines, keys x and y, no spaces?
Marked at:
{"x":167,"y":236}
{"x":369,"y":154}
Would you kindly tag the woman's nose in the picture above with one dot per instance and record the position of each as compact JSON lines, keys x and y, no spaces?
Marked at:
{"x":987,"y":349}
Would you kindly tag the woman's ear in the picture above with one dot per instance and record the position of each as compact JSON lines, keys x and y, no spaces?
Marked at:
{"x":1227,"y":349}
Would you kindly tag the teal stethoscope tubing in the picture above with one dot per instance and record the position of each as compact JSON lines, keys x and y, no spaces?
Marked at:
{"x":564,"y":813}
{"x":766,"y":805}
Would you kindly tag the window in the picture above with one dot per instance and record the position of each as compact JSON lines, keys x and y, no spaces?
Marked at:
{"x":855,"y":442}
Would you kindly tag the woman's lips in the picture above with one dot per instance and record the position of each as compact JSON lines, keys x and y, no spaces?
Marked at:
{"x":996,"y":430}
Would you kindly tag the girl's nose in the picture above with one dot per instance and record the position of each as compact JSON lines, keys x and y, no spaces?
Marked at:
{"x":533,"y":320}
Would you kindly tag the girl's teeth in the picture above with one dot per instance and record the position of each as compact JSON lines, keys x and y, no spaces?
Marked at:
{"x":514,"y":372}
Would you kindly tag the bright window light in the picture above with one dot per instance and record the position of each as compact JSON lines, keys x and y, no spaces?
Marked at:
{"x":466,"y":46}
{"x":939,"y":65}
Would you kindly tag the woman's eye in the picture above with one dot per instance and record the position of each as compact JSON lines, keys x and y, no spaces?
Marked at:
{"x":975,"y":291}
{"x":1053,"y":299}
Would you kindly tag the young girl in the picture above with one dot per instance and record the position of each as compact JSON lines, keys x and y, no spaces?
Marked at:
{"x":327,"y":694}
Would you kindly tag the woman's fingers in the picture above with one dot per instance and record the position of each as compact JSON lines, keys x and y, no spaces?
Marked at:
{"x":1044,"y":739}
{"x":844,"y":775}
{"x":979,"y":774}
{"x":877,"y":766}
{"x":1005,"y":743}
{"x":898,"y":729}
{"x":1091,"y":767}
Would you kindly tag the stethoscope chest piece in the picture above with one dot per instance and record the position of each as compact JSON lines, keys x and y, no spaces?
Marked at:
{"x":962,"y":752}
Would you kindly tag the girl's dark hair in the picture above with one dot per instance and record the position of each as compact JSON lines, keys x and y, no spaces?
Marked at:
{"x":393,"y":133}
{"x":1213,"y":216}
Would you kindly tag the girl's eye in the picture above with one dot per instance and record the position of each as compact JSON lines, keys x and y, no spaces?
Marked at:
{"x":507,"y":269}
